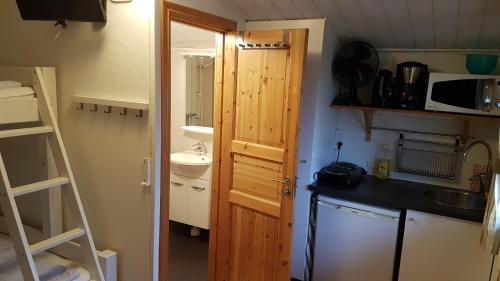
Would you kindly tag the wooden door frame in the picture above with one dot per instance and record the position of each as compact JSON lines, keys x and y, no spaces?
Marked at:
{"x":173,"y":12}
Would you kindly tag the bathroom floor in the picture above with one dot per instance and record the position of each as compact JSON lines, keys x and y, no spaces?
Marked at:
{"x":188,"y":256}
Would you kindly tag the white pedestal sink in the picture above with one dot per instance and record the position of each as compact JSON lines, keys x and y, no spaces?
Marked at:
{"x":190,"y":158}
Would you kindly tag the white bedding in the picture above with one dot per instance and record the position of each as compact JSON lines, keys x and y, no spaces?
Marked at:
{"x":9,"y":84}
{"x":50,"y":267}
{"x":16,"y":92}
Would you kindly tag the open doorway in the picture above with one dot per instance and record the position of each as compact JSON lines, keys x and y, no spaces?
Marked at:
{"x":192,"y":113}
{"x":193,"y":53}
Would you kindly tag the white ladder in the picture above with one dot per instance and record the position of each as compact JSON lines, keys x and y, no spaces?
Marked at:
{"x":80,"y":233}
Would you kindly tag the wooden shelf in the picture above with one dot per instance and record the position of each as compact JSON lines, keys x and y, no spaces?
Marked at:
{"x":139,"y":105}
{"x":368,"y":113}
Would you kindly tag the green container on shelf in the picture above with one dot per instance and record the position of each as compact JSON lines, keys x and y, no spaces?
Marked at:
{"x":481,"y":64}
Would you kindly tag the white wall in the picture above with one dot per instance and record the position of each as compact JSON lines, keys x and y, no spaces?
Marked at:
{"x":314,"y":139}
{"x":105,"y":151}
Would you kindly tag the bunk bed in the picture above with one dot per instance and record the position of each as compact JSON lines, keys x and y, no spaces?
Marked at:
{"x":19,"y":105}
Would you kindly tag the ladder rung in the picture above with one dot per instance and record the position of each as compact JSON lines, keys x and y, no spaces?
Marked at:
{"x":56,"y":241}
{"x":39,"y":186}
{"x":26,"y":132}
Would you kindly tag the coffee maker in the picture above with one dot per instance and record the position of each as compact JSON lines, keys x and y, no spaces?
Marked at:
{"x":411,"y":85}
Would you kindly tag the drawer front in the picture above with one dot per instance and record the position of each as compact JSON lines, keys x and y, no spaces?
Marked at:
{"x":199,"y":203}
{"x":178,"y":199}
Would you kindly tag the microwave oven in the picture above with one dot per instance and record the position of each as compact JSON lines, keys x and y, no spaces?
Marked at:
{"x":464,"y":93}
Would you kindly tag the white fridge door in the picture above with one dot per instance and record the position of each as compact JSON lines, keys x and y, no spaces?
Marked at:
{"x":353,"y":245}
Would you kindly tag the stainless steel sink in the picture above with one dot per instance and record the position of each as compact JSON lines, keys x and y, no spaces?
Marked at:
{"x":457,"y":199}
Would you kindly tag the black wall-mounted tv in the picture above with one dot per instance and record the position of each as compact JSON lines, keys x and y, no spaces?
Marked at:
{"x":57,"y":10}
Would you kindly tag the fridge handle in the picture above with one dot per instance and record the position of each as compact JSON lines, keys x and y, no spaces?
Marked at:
{"x":357,"y":212}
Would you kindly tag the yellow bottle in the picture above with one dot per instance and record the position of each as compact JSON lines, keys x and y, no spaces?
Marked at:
{"x":383,"y":163}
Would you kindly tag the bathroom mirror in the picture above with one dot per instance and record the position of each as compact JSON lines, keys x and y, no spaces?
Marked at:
{"x":199,"y":90}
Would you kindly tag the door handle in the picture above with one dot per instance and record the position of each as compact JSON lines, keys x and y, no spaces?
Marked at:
{"x":286,"y":182}
{"x":176,"y":183}
{"x":197,"y":188}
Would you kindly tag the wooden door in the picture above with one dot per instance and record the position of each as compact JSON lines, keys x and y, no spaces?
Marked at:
{"x":261,"y":92}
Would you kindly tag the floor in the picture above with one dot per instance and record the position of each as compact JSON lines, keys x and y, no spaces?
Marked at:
{"x":188,"y":256}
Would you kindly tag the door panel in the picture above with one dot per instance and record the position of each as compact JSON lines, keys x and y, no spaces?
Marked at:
{"x":260,"y":110}
{"x":253,"y":244}
{"x":260,"y":100}
{"x":251,"y":176}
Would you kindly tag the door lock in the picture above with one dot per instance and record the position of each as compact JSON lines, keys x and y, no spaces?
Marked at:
{"x":286,"y":182}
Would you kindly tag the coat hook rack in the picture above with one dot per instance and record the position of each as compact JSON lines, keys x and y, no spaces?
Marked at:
{"x":124,"y":106}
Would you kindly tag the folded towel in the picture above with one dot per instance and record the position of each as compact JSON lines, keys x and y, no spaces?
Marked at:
{"x":16,"y":92}
{"x":9,"y":84}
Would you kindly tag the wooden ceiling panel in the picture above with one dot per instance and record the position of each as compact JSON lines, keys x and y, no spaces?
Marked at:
{"x":470,"y":20}
{"x":288,"y":8}
{"x":490,"y":33}
{"x":422,"y":19}
{"x":269,"y":9}
{"x":246,"y":9}
{"x":400,"y":24}
{"x":350,"y":9}
{"x":446,"y":23}
{"x":377,"y":21}
{"x":332,"y":12}
{"x":307,"y":8}
{"x":465,"y":24}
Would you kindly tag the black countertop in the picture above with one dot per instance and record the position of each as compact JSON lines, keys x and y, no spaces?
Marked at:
{"x":395,"y":194}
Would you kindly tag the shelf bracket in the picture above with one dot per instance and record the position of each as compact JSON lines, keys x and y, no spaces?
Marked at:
{"x":465,"y":130}
{"x":368,"y":115}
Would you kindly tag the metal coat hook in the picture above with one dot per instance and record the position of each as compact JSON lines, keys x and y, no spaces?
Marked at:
{"x":108,"y":110}
{"x":94,"y":108}
{"x":124,"y":111}
{"x":140,"y":113}
{"x":80,"y":107}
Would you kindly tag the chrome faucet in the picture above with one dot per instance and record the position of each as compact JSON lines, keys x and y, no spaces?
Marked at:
{"x":200,"y":147}
{"x":484,"y":178}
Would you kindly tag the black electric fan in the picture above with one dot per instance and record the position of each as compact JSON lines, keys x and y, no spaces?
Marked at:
{"x":354,"y":66}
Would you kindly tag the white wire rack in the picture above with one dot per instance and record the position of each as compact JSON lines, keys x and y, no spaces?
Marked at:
{"x":426,"y":158}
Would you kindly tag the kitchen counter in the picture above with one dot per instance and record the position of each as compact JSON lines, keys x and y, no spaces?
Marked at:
{"x":395,"y":194}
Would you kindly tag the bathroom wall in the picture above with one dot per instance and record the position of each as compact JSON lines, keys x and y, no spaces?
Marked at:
{"x":180,"y":139}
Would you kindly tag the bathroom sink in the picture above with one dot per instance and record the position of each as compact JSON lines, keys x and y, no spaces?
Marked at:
{"x":457,"y":199}
{"x":190,"y":158}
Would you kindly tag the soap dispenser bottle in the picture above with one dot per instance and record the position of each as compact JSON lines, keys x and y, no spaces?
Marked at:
{"x":383,"y":162}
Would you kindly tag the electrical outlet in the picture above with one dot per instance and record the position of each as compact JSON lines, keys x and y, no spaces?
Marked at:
{"x":339,"y":135}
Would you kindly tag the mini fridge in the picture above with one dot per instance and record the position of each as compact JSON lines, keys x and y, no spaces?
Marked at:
{"x":354,"y":242}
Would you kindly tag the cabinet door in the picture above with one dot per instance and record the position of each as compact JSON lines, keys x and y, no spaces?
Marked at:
{"x":178,"y":199}
{"x":437,"y":248}
{"x":199,"y":203}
